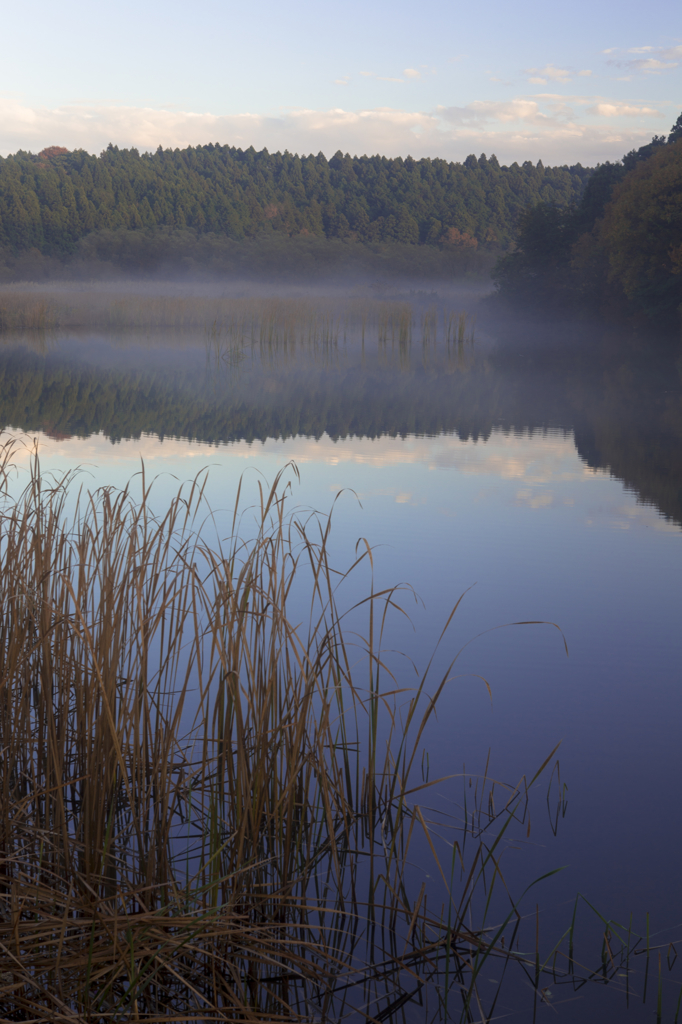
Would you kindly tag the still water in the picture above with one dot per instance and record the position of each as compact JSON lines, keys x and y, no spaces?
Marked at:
{"x":543,"y":477}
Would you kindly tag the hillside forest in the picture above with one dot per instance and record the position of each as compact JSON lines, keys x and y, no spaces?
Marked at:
{"x":570,"y":239}
{"x":215,"y":203}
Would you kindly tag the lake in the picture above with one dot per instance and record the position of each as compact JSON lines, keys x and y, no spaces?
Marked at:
{"x":535,"y":469}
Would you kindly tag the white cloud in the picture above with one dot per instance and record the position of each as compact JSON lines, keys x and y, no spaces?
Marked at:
{"x":584,"y":74}
{"x":549,"y":72}
{"x":482,"y":111}
{"x":412,"y":73}
{"x":622,"y":110}
{"x":550,"y":127}
{"x":340,"y":81}
{"x":652,"y":66}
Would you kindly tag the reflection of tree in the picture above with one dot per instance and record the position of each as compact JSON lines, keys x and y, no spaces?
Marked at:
{"x":626,"y":415}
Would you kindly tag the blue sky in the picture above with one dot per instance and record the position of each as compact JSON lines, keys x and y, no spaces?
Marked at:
{"x":562,"y":83}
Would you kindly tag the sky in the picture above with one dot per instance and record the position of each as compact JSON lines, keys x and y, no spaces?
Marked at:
{"x":564,"y":83}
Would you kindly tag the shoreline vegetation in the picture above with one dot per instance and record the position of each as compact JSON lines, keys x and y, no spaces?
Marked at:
{"x":230,"y":321}
{"x":210,"y":814}
{"x":186,"y":255}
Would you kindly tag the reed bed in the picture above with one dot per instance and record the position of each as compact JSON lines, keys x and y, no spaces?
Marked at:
{"x":211,"y":803}
{"x":209,"y":810}
{"x":274,"y":321}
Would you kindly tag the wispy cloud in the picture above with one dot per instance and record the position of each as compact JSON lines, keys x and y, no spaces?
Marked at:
{"x":649,"y":60}
{"x":622,"y":110}
{"x":550,"y":73}
{"x":487,"y":111}
{"x":408,"y":75}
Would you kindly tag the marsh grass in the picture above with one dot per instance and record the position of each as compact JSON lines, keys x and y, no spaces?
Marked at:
{"x":210,"y":808}
{"x":273,"y":321}
{"x":205,"y":813}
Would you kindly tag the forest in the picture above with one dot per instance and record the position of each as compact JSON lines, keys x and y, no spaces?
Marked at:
{"x":574,"y":240}
{"x":137,"y":207}
{"x":618,"y":251}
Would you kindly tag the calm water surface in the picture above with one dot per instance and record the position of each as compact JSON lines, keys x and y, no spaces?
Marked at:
{"x":551,"y":485}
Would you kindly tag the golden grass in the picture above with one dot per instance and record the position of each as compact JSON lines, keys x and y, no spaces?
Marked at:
{"x":208,"y":811}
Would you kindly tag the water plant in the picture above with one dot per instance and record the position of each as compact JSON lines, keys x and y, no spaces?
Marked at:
{"x":269,"y":321}
{"x":210,"y":801}
{"x":207,"y":808}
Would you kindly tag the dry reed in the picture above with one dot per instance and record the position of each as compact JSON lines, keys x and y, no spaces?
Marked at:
{"x":268,"y":321}
{"x":207,"y":810}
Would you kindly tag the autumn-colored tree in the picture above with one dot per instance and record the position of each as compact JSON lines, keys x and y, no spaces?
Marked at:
{"x":459,"y":239}
{"x":51,"y":151}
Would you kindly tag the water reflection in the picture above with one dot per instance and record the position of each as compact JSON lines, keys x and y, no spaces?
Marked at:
{"x":474,"y":464}
{"x":624,"y":414}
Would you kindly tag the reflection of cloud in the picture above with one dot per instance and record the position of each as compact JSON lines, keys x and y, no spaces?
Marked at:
{"x":98,"y":450}
{"x":527,"y":497}
{"x":541,"y":470}
{"x":530,"y":459}
{"x":535,"y":459}
{"x":627,"y":517}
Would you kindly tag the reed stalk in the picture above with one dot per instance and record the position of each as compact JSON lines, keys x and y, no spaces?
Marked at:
{"x":208,"y":809}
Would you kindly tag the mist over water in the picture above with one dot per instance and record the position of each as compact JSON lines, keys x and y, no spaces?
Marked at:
{"x":540,"y":465}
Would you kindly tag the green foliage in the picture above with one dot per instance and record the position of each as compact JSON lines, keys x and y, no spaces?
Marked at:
{"x":676,"y":131}
{"x":536,"y":270}
{"x":163,"y":251}
{"x":642,"y":233}
{"x":597,"y":194}
{"x":51,"y":201}
{"x":618,"y":249}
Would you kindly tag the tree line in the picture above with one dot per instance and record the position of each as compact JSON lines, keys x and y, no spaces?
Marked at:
{"x":51,"y":201}
{"x":617,"y":250}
